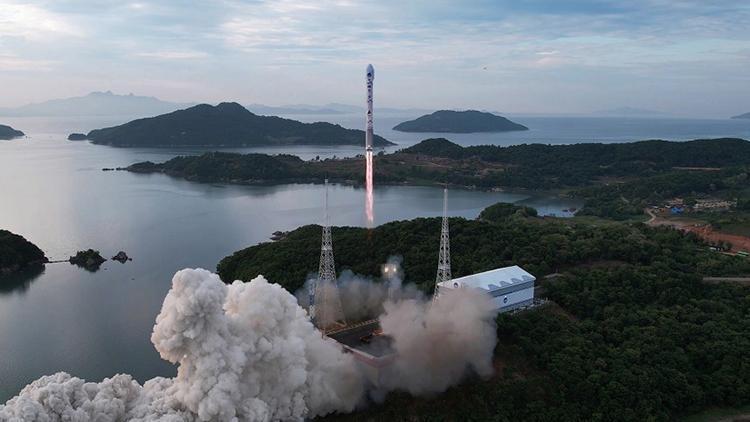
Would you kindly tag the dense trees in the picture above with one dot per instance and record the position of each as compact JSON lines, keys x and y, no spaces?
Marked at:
{"x":450,"y":121}
{"x":17,"y":253}
{"x":542,"y":246}
{"x":632,"y":333}
{"x":225,"y":125}
{"x":533,"y":166}
{"x":623,"y":200}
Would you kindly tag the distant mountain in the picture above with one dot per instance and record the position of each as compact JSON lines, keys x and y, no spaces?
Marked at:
{"x":225,"y":125}
{"x":97,"y":104}
{"x":7,"y":132}
{"x":742,"y":116}
{"x":630,"y":112}
{"x":470,"y":121}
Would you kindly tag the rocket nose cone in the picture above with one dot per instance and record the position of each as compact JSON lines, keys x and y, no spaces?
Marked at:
{"x":370,"y":71}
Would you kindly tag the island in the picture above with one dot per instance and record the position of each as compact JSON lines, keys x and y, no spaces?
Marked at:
{"x":626,"y":304}
{"x":469,"y":121}
{"x":77,"y":137}
{"x":89,"y":259}
{"x":225,"y":125}
{"x":531,"y":166}
{"x":8,"y":133}
{"x":742,"y":116}
{"x":18,"y":254}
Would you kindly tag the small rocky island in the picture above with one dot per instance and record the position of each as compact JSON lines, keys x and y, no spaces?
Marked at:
{"x":742,"y":116}
{"x":224,"y":125}
{"x":77,"y":137}
{"x":8,"y":133}
{"x":18,"y":254}
{"x":469,"y":121}
{"x":89,"y":259}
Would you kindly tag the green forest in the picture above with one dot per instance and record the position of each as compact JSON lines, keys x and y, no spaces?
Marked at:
{"x":532,"y":166}
{"x":17,"y":253}
{"x":631,"y":332}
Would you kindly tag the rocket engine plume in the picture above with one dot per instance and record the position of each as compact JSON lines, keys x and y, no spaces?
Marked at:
{"x":368,"y":148}
{"x":368,"y":186}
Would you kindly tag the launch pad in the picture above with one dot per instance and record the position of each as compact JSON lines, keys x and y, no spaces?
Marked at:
{"x":370,"y":348}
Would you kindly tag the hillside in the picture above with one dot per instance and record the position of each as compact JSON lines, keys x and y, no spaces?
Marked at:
{"x":96,"y":104}
{"x":532,"y":166}
{"x":469,"y":121}
{"x":628,"y":314}
{"x":17,"y":253}
{"x":225,"y":125}
{"x":742,"y":116}
{"x":7,"y":133}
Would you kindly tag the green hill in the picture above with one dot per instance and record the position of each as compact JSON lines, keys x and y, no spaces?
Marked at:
{"x":17,"y":253}
{"x":7,"y":132}
{"x":628,"y":314}
{"x":225,"y":125}
{"x":469,"y":121}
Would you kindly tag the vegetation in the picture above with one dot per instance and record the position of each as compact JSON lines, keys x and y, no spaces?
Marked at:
{"x":632,"y":333}
{"x":469,"y":121}
{"x":89,"y":259}
{"x":225,"y":125}
{"x":623,"y":200}
{"x":77,"y":137}
{"x":502,"y":211}
{"x":542,"y":246}
{"x":17,"y":253}
{"x":7,"y":133}
{"x":437,"y":160}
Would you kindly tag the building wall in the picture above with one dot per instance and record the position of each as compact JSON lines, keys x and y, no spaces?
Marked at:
{"x":509,"y":301}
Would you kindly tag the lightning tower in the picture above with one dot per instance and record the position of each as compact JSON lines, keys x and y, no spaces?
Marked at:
{"x":444,"y":259}
{"x":325,"y":303}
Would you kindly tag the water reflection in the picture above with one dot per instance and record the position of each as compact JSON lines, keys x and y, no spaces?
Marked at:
{"x":21,"y":281}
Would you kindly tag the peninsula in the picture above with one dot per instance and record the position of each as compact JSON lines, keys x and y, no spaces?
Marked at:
{"x":593,"y":278}
{"x":742,"y":116}
{"x":225,"y":125}
{"x":469,"y":121}
{"x":17,"y":253}
{"x":8,"y":133}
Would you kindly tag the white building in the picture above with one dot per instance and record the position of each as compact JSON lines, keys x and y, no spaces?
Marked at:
{"x":510,"y":287}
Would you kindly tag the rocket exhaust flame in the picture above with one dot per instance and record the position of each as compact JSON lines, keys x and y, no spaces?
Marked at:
{"x":368,"y":187}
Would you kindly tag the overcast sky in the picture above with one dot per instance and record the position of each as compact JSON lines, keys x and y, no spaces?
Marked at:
{"x":690,"y":57}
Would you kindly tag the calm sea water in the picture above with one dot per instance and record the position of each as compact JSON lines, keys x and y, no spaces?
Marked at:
{"x":94,"y":325}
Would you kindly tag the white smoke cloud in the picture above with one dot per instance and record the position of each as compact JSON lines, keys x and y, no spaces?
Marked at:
{"x":246,"y":352}
{"x":438,"y":342}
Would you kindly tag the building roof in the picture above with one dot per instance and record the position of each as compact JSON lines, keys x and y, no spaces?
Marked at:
{"x":497,"y":279}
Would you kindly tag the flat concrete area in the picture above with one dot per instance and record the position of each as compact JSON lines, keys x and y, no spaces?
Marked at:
{"x":362,"y":337}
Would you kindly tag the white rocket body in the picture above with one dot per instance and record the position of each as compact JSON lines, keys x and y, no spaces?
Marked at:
{"x":368,"y":132}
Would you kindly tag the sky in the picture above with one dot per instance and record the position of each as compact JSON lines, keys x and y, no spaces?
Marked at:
{"x":685,"y":57}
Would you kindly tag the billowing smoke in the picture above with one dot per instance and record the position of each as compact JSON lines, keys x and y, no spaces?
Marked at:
{"x":248,"y":352}
{"x":245,"y":352}
{"x":437,"y":343}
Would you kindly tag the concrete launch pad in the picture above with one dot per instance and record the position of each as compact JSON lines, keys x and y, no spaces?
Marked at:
{"x":372,"y":350}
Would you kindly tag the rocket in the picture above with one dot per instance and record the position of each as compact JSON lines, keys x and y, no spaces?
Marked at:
{"x":368,"y":133}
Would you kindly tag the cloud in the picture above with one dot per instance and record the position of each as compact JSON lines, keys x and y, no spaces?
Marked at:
{"x":174,"y":55}
{"x":33,"y":22}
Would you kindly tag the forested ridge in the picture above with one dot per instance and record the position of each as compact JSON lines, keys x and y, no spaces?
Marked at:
{"x":532,"y":166}
{"x":632,"y":332}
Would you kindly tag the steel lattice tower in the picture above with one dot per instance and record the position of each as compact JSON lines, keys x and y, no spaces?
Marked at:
{"x":444,"y":260}
{"x":325,"y":303}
